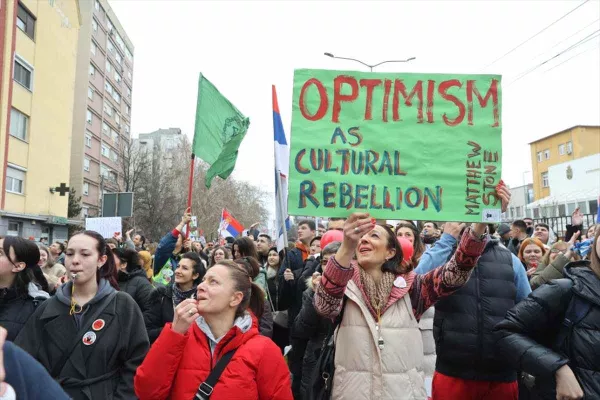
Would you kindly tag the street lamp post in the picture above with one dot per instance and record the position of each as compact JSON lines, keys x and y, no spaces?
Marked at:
{"x":369,"y":65}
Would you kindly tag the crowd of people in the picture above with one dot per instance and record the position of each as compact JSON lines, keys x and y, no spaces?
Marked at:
{"x":353,"y":309}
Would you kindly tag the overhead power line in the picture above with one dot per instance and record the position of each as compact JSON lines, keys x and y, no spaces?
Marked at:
{"x":586,"y":39}
{"x":568,"y":37}
{"x":572,"y":57}
{"x":532,"y":37}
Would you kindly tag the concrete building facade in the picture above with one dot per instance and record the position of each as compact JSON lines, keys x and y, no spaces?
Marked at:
{"x":564,"y":146}
{"x":102,"y":115}
{"x":38,"y":50}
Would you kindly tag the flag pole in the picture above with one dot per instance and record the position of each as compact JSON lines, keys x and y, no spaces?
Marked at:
{"x":280,"y":208}
{"x":190,"y":190}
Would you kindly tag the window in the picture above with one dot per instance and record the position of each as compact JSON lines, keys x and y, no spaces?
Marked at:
{"x":88,"y":140}
{"x":26,"y":21}
{"x":128,"y":93}
{"x":15,"y":180}
{"x":104,"y":171}
{"x":18,"y":124}
{"x":118,"y":120}
{"x":545,"y":179}
{"x":23,"y":73}
{"x":89,"y":117}
{"x":539,"y":156}
{"x":128,"y":54}
{"x":92,"y":70}
{"x":93,"y":48}
{"x":86,"y":188}
{"x":127,"y":110}
{"x":105,"y":150}
{"x":116,"y":96}
{"x":118,"y":77}
{"x":112,"y":176}
{"x":547,"y":154}
{"x":105,"y":129}
{"x":86,"y":164}
{"x":107,"y":108}
{"x":114,"y":156}
{"x":569,"y":147}
{"x":120,"y":41}
{"x":115,"y":138}
{"x":94,"y":24}
{"x":90,"y":93}
{"x":127,"y":129}
{"x":97,"y":5}
{"x":109,"y":24}
{"x":109,"y":67}
{"x":14,"y":228}
{"x":85,"y":212}
{"x":119,"y":58}
{"x":561,"y":149}
{"x":110,"y":47}
{"x":129,"y":75}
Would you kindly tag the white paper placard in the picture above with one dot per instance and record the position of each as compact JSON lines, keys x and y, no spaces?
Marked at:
{"x":106,"y":226}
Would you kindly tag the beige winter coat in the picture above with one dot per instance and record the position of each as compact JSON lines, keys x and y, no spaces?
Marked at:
{"x":53,"y":274}
{"x":362,"y":370}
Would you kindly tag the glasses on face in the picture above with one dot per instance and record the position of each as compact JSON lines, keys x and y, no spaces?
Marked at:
{"x":556,"y":251}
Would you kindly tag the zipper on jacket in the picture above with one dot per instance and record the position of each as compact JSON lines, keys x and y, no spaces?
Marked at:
{"x":210,"y":351}
{"x":479,"y":320}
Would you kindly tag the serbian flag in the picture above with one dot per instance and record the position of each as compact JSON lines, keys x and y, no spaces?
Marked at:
{"x":282,"y":166}
{"x":229,"y":227}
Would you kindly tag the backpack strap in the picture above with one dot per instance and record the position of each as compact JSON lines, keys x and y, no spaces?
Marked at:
{"x":206,"y":388}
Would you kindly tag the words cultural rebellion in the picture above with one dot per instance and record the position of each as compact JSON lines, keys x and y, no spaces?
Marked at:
{"x":395,"y":145}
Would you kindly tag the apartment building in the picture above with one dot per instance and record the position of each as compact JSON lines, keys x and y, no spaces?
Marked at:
{"x":570,"y":144}
{"x":38,"y":46}
{"x":161,"y":145}
{"x":101,"y":122}
{"x":566,"y":172}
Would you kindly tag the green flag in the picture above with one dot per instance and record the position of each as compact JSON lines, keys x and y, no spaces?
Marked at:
{"x":219,"y":131}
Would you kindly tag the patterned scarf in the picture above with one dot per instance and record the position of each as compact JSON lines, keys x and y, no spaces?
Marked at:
{"x":179,"y":295}
{"x":378,"y":294}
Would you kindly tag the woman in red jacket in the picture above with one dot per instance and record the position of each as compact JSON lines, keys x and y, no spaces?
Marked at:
{"x":204,"y":330}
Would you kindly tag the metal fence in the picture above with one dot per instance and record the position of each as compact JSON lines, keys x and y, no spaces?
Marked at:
{"x":559,"y":224}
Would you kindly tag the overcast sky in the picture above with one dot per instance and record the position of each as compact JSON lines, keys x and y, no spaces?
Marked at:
{"x":244,"y":47}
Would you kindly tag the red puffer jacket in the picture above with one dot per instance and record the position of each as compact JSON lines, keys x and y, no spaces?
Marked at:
{"x":177,"y":364}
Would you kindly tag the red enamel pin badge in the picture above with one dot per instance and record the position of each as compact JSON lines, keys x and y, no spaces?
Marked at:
{"x":98,"y":325}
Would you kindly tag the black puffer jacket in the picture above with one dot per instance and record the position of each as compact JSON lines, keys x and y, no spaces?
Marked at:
{"x":310,"y":330}
{"x":16,"y":310}
{"x":528,"y":335}
{"x":160,"y":311}
{"x":464,"y":322}
{"x":137,"y":285}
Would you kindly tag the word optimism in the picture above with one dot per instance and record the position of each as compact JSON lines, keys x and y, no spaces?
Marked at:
{"x":347,"y":195}
{"x":423,"y":93}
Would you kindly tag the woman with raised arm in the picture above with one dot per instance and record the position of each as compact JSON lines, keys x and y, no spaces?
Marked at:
{"x":382,"y":299}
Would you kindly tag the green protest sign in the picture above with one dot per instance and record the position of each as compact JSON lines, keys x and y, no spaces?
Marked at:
{"x":399,"y":146}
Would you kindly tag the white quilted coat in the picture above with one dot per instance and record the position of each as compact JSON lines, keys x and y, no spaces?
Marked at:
{"x":362,"y":370}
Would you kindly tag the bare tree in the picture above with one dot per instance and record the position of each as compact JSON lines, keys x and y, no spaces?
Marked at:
{"x":135,"y":165}
{"x":161,"y":188}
